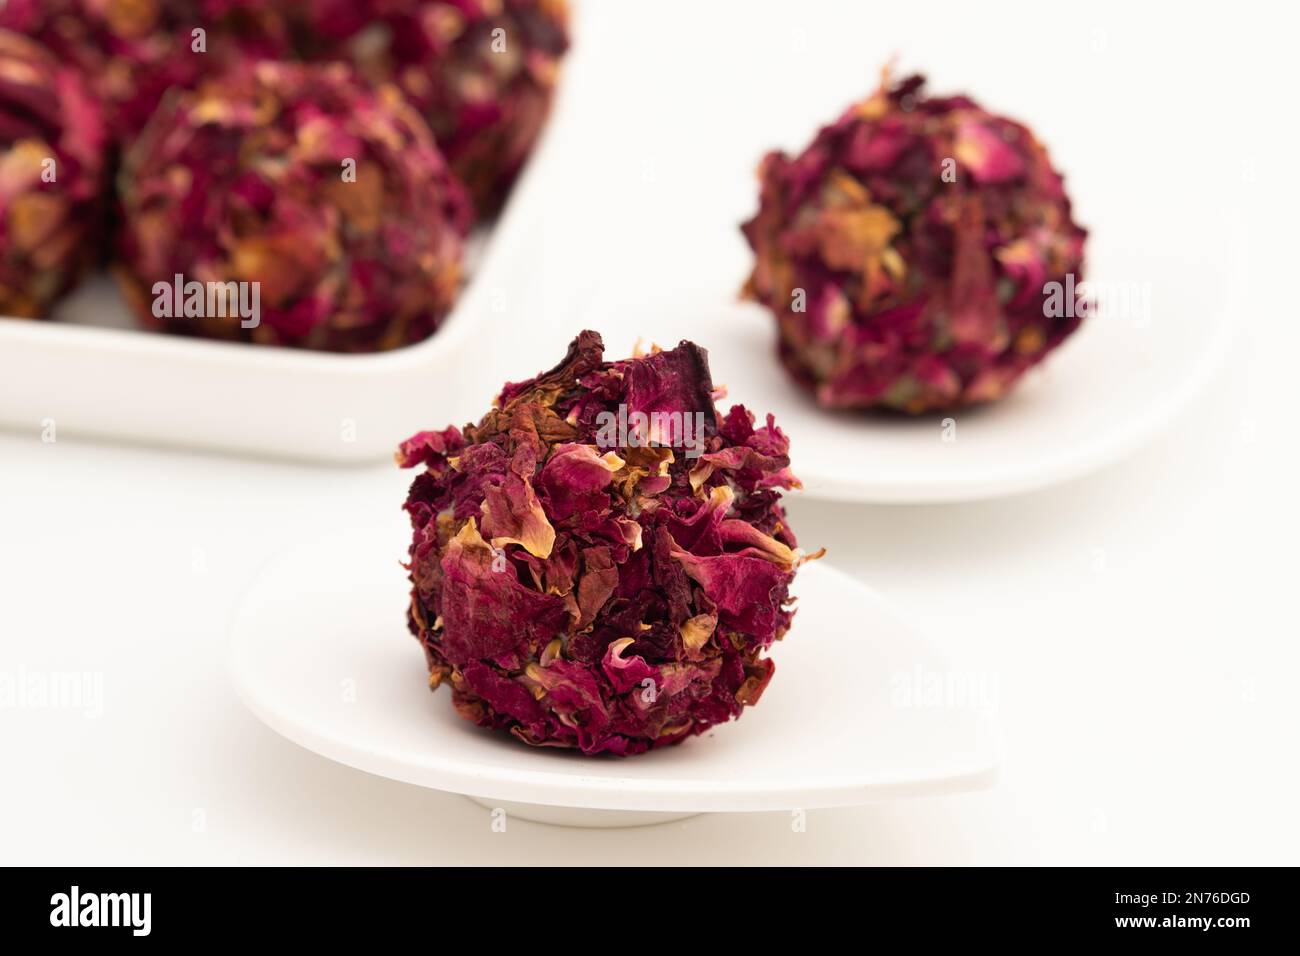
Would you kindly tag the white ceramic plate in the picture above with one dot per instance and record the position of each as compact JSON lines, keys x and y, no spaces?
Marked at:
{"x":93,"y":371}
{"x":320,"y":653}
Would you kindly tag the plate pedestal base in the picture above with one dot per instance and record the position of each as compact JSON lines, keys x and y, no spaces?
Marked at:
{"x":579,"y":816}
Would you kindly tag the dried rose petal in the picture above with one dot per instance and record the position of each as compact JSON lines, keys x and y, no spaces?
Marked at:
{"x":482,"y":72}
{"x":609,"y":598}
{"x":906,"y":251}
{"x":331,"y":197}
{"x":52,"y":173}
{"x":133,"y":51}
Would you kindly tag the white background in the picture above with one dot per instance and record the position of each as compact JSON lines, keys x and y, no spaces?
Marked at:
{"x":1139,"y":624}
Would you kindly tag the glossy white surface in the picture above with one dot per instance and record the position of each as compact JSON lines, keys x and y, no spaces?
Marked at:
{"x":1139,"y":623}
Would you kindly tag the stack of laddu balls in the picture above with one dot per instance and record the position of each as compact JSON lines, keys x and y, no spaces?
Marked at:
{"x":333,"y":152}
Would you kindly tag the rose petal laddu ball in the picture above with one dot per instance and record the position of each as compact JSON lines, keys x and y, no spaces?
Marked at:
{"x":319,"y":203}
{"x":914,"y":253}
{"x":52,"y":177}
{"x":602,"y":562}
{"x":481,"y":72}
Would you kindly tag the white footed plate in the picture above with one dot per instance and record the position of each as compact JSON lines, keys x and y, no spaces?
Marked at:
{"x":320,"y":654}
